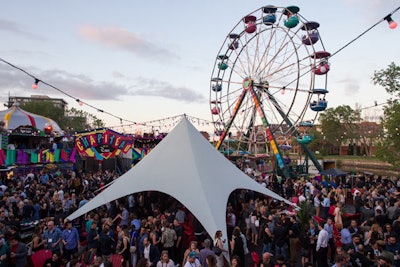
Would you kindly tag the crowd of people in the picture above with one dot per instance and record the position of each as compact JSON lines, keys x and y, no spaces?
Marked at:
{"x":153,"y":229}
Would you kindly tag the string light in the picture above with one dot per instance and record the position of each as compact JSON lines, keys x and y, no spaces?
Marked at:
{"x":80,"y":103}
{"x":35,"y":84}
{"x":392,"y":23}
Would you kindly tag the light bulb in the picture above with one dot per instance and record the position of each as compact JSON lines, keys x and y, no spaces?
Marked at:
{"x":283,"y":91}
{"x":393,"y":24}
{"x":35,"y":84}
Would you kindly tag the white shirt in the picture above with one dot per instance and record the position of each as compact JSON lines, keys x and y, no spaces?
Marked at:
{"x":196,"y":263}
{"x":146,"y":253}
{"x":323,"y":239}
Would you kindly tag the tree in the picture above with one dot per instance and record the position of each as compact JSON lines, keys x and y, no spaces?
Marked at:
{"x":340,"y":125}
{"x":45,"y":108}
{"x":389,"y":145}
{"x":77,"y":120}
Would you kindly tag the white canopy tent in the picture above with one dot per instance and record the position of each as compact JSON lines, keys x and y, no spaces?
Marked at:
{"x":187,"y":167}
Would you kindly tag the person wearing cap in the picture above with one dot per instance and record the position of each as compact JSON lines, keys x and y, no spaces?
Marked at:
{"x":192,"y":260}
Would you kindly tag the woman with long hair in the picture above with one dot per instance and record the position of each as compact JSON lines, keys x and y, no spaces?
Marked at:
{"x":165,"y":261}
{"x":218,"y":241}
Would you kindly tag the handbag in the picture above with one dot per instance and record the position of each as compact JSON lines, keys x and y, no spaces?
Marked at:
{"x":217,"y":250}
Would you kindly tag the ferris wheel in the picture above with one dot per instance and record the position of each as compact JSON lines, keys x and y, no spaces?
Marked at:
{"x":269,"y":82}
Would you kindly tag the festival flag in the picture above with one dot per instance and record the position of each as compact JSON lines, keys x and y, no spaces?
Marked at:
{"x":2,"y":157}
{"x":72,"y":156}
{"x":63,"y":156}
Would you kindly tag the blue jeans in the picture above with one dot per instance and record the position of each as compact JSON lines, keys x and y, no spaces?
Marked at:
{"x":266,"y":248}
{"x":281,"y":250}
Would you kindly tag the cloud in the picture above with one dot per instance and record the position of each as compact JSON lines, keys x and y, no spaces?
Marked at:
{"x":152,"y":87}
{"x":10,"y":26}
{"x":118,"y":38}
{"x":350,"y":86}
{"x":85,"y":88}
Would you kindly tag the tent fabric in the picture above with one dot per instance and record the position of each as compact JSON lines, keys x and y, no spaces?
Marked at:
{"x":16,"y":116}
{"x":333,"y":172}
{"x":187,"y":167}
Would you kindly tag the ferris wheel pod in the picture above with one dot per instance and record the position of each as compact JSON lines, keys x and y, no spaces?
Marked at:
{"x":291,"y":22}
{"x":308,"y":124}
{"x":269,"y":18}
{"x":215,"y":110}
{"x":292,"y":19}
{"x":217,"y":86}
{"x":234,"y":43}
{"x":322,"y":68}
{"x":250,"y":22}
{"x":321,"y":55}
{"x":320,"y":91}
{"x":311,"y":38}
{"x":319,"y":105}
{"x":222,"y":66}
{"x":310,"y":25}
{"x":305,"y":139}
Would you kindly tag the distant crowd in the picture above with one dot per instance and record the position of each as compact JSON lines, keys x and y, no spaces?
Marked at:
{"x":343,"y":221}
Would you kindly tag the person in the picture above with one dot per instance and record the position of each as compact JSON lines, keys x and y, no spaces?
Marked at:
{"x":124,"y":248}
{"x":340,"y":261}
{"x":192,"y":260}
{"x":70,"y":239}
{"x":17,"y":252}
{"x":211,"y":261}
{"x":107,"y":244}
{"x":3,"y":253}
{"x":281,"y":235}
{"x":192,"y":247}
{"x":142,"y":263}
{"x":338,"y":213}
{"x":54,"y":261}
{"x":294,"y":234}
{"x":205,"y":252}
{"x":219,"y":242}
{"x":393,"y":246}
{"x":266,"y":235}
{"x":266,"y":260}
{"x":165,"y":261}
{"x":237,"y":246}
{"x":93,"y":239}
{"x":235,"y":261}
{"x":322,"y":246}
{"x":53,"y":237}
{"x":37,"y":239}
{"x":328,"y":226}
{"x":168,"y":237}
{"x":178,"y":242}
{"x":151,"y":252}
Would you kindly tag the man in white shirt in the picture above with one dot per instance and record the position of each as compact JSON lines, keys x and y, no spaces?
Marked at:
{"x":322,"y":246}
{"x":192,"y":261}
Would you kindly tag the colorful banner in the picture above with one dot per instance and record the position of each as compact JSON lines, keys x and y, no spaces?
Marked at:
{"x":34,"y":156}
{"x":102,"y":144}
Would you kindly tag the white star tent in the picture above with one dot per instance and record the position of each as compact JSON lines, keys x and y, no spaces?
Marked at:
{"x":187,"y":167}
